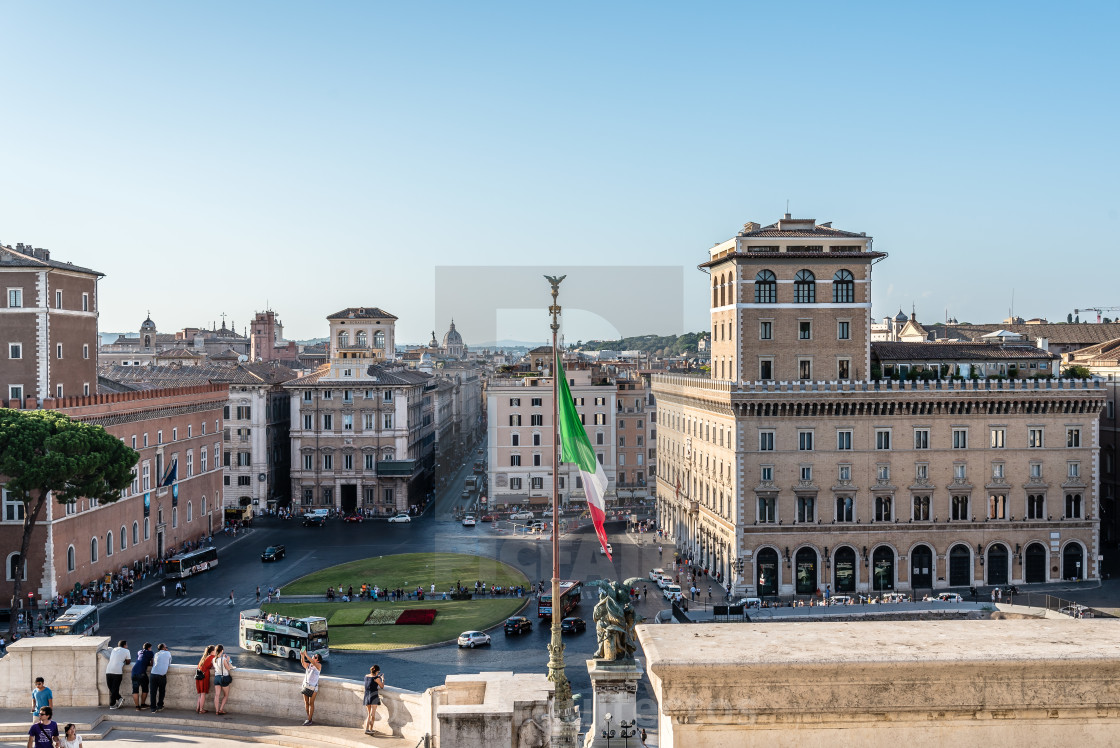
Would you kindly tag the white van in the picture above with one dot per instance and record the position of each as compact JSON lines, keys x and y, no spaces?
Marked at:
{"x":317,"y":513}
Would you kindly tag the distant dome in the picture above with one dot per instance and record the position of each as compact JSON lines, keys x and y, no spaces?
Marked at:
{"x":901,"y":316}
{"x":452,"y":337}
{"x":148,"y":325}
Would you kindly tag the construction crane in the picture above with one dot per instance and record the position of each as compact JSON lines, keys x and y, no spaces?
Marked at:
{"x":1098,"y":310}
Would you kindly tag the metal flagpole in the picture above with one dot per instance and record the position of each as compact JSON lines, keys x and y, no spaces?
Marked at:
{"x":566,"y":726}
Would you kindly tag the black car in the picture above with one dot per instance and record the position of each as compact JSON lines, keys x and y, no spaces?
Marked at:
{"x":572,"y":625}
{"x":273,"y":553}
{"x":314,"y":520}
{"x":518,"y":625}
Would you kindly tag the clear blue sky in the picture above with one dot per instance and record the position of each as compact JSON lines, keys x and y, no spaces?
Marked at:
{"x":214,"y":157}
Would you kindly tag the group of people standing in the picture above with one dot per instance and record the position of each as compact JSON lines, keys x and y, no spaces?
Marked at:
{"x":214,"y":669}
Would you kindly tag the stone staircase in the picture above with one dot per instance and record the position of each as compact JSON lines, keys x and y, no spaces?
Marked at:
{"x":100,"y":723}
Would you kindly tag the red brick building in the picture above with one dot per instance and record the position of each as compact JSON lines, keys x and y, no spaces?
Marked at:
{"x":48,"y":326}
{"x":175,"y":497}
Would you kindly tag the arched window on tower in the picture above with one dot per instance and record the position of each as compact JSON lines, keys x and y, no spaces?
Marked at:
{"x":804,"y":287}
{"x":715,"y":291}
{"x":843,"y":287}
{"x":765,"y":288}
{"x":723,"y":290}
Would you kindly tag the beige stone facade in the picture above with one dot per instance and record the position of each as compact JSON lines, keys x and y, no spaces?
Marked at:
{"x":520,"y":414}
{"x":362,"y":427}
{"x":807,"y":479}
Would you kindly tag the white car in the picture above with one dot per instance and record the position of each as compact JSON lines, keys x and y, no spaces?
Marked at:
{"x":672,"y":591}
{"x":521,"y":515}
{"x":469,"y":521}
{"x":950,"y":597}
{"x":604,"y":551}
{"x":472,"y":639}
{"x":402,"y":517}
{"x":664,"y":582}
{"x":656,"y":574}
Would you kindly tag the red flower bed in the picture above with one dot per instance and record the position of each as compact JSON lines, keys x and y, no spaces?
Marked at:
{"x":417,"y":616}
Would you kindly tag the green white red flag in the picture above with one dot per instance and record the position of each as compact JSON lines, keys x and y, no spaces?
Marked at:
{"x":575,"y":448}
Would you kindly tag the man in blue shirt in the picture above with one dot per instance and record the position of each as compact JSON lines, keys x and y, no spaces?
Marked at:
{"x":159,"y":676}
{"x":144,"y":659}
{"x":41,"y":696}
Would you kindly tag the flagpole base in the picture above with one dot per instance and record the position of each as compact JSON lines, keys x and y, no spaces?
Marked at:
{"x":614,"y":684}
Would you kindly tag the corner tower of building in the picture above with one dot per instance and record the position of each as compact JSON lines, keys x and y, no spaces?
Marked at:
{"x":791,"y":301}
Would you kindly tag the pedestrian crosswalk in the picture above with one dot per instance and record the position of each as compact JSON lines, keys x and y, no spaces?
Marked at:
{"x":184,"y":602}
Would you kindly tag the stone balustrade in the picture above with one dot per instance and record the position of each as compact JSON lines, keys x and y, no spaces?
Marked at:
{"x":488,"y":710}
{"x":882,"y":684}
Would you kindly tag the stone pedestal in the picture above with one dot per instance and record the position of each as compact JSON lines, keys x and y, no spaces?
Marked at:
{"x":614,"y":685}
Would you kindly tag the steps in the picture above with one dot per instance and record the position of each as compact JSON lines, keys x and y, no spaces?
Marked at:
{"x":95,"y":724}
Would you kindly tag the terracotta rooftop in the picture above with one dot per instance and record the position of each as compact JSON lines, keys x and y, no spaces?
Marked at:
{"x":29,"y":257}
{"x":1083,"y":333}
{"x":1103,"y":353}
{"x":361,"y":312}
{"x":890,"y":351}
{"x":153,"y":377}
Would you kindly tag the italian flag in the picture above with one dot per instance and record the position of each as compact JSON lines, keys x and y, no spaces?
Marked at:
{"x":575,"y":448}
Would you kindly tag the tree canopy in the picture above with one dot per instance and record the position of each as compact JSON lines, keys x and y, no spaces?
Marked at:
{"x":46,"y":453}
{"x":658,"y":345}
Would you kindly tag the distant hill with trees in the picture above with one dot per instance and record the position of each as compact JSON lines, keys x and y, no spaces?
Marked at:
{"x":657,"y":345}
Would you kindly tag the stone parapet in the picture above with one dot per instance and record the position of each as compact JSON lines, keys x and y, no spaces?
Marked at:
{"x":995,"y":683}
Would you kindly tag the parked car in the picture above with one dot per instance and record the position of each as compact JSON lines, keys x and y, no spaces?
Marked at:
{"x":655,"y":574}
{"x":469,"y":521}
{"x":352,"y":518}
{"x":604,"y":551}
{"x":273,"y":553}
{"x":314,"y":520}
{"x":518,"y":625}
{"x":402,"y":517}
{"x":521,"y":515}
{"x":572,"y":626}
{"x":950,"y":597}
{"x":472,"y":639}
{"x":487,"y":518}
{"x":671,"y":590}
{"x":664,"y":582}
{"x":840,"y":600}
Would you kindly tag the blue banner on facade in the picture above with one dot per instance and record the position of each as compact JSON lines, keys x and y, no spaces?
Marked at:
{"x":147,"y":504}
{"x":175,"y":495}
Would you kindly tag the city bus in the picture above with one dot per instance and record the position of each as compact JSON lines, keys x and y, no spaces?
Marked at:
{"x":570,"y":592}
{"x":77,"y":620}
{"x":191,"y":562}
{"x":281,"y":636}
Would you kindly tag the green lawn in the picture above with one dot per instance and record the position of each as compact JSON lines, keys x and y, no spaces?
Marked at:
{"x":408,"y":571}
{"x":344,"y":620}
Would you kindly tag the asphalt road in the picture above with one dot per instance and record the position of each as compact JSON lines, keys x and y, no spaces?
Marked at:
{"x":205,"y":617}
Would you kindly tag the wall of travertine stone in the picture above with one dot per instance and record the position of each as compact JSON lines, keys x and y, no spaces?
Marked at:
{"x":992,"y":683}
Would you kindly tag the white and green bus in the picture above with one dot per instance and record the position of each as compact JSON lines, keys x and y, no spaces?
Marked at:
{"x":282,"y":636}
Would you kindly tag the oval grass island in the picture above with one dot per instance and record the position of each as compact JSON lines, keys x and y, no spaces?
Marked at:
{"x":365,"y":625}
